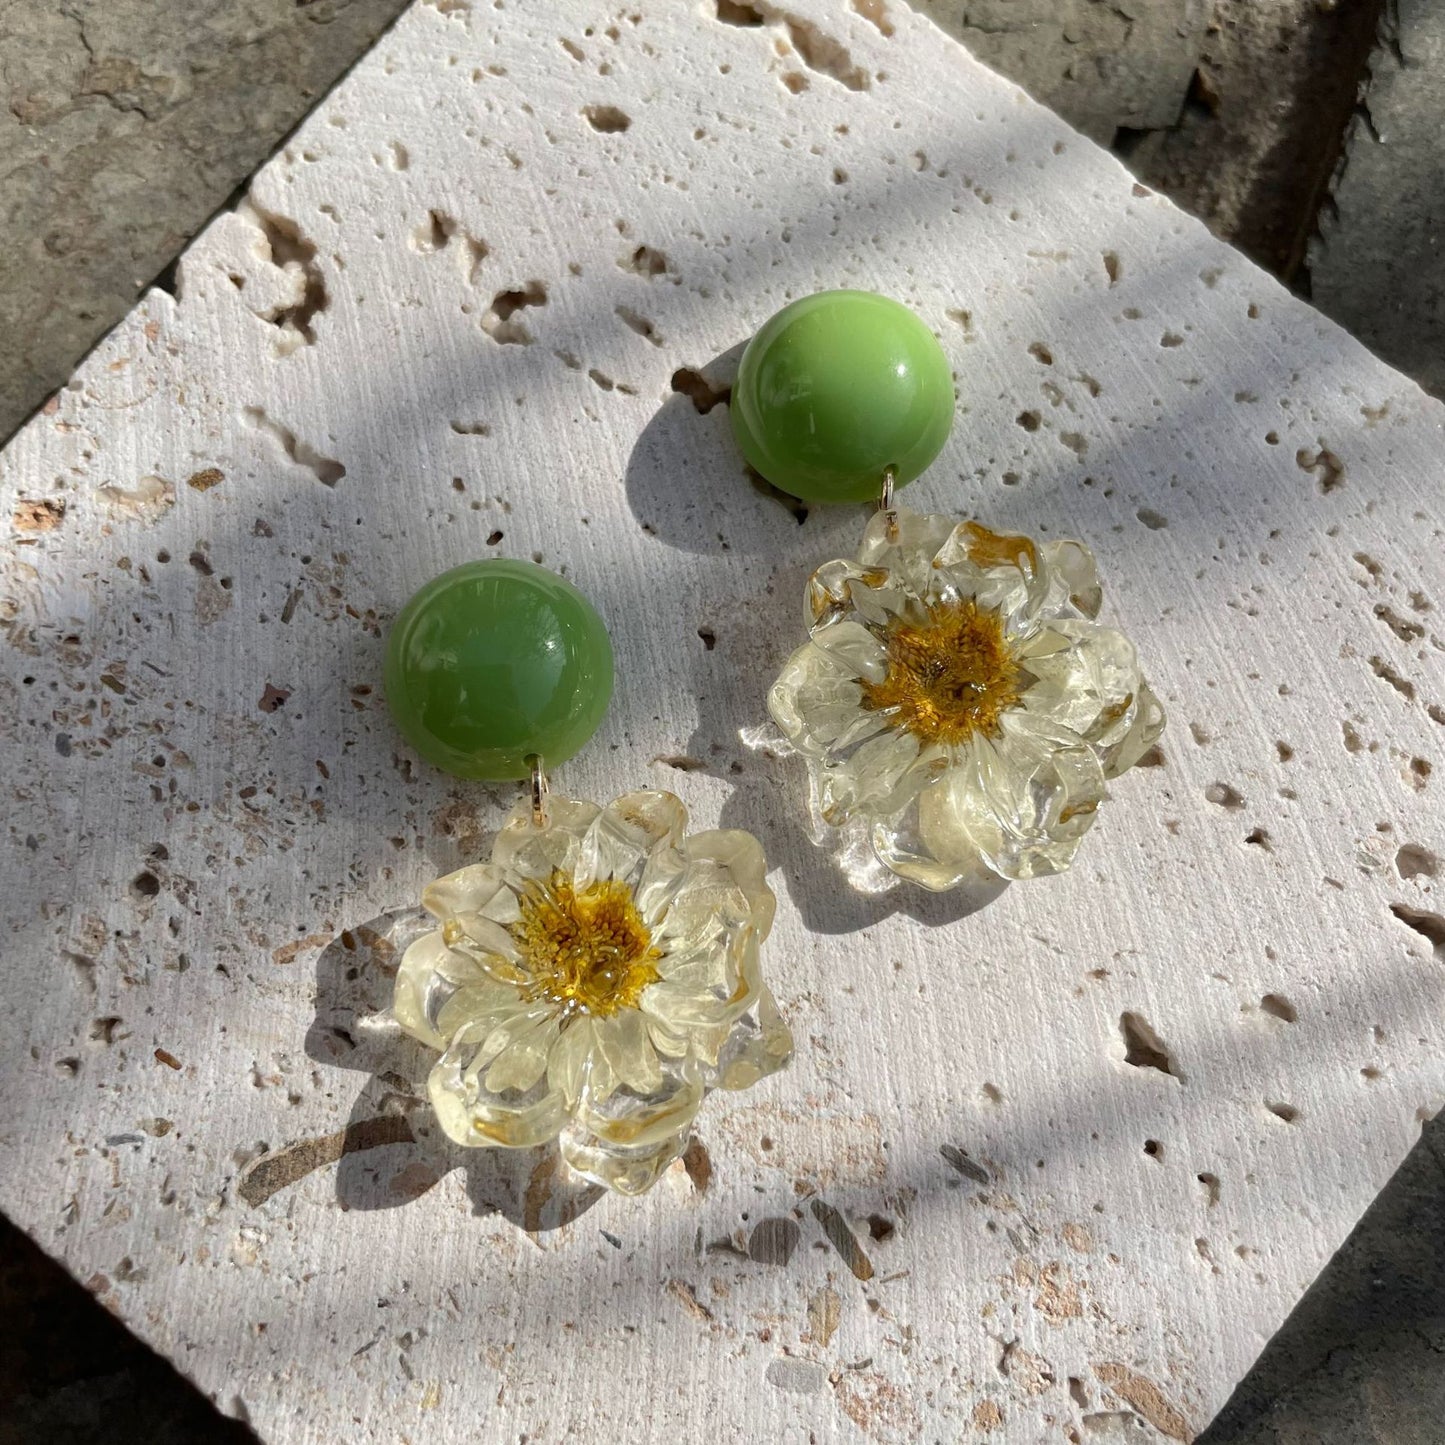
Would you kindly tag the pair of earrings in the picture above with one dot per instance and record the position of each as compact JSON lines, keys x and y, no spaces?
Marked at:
{"x":957,"y":704}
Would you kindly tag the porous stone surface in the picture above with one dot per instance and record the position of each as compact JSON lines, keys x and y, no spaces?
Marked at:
{"x":1378,"y":264}
{"x":1061,"y":1165}
{"x":124,"y":124}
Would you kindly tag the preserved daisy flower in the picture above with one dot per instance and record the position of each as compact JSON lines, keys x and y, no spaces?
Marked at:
{"x":959,"y":701}
{"x":592,"y":982}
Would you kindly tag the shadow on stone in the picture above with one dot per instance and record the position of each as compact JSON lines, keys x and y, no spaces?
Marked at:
{"x":392,"y":1151}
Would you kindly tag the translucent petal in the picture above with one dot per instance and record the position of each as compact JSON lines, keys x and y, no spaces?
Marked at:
{"x":1073,"y":578}
{"x":877,"y":778}
{"x":625,"y":1045}
{"x":498,"y":1032}
{"x":472,"y":1115}
{"x":910,"y":843}
{"x":530,"y":852}
{"x":468,"y":890}
{"x":663,"y":875}
{"x":1088,"y":680}
{"x":1002,"y":572}
{"x":758,"y":1044}
{"x":523,"y":1062}
{"x":1143,"y":733}
{"x":854,"y":647}
{"x":624,"y":1171}
{"x":627,"y":1142}
{"x":1024,"y":800}
{"x":485,"y":1002}
{"x":417,"y":982}
{"x":625,"y":832}
{"x":817,"y":701}
{"x":627,"y":1120}
{"x":841,"y":590}
{"x":907,"y":547}
{"x":571,"y":1061}
{"x":740,"y":856}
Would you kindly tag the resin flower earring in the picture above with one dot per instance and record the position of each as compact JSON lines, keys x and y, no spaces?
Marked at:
{"x":957,"y":704}
{"x":595,"y":978}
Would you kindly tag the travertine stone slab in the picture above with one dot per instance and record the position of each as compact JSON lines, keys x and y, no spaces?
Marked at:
{"x":449,"y":323}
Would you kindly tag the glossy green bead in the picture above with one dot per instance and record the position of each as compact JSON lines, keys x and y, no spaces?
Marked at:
{"x":494,"y":661}
{"x":837,"y":388}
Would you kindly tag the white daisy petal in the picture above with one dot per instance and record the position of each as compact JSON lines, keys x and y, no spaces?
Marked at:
{"x":1088,"y":680}
{"x":625,"y":1045}
{"x":468,"y":890}
{"x":1024,"y":799}
{"x":472,"y":1115}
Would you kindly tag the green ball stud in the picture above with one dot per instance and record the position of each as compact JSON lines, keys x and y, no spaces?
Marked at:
{"x":836,"y":389}
{"x":495,"y":661}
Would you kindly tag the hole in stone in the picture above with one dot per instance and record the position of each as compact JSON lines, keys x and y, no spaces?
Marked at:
{"x":145,"y":885}
{"x":821,"y":52}
{"x":1041,"y":354}
{"x":1281,"y":1110}
{"x":288,"y":246}
{"x":1278,"y":1006}
{"x":703,"y":394}
{"x":876,"y":13}
{"x":1112,"y":267}
{"x":1224,"y":796}
{"x":1430,"y":926}
{"x":327,"y":470}
{"x":1029,"y":420}
{"x":1143,"y":1048}
{"x":795,"y":505}
{"x":606,"y":118}
{"x":639,"y":323}
{"x":1154,"y":1149}
{"x":1386,"y":673}
{"x":646,"y":261}
{"x":1258,"y":838}
{"x":1326,"y":466}
{"x":731,"y":12}
{"x":501,"y":323}
{"x":1155,"y":521}
{"x":708,"y":636}
{"x":1211,"y":1187}
{"x":1413,"y":861}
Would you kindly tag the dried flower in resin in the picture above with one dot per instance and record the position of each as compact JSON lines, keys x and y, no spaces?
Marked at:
{"x":592,"y":982}
{"x":958,"y":698}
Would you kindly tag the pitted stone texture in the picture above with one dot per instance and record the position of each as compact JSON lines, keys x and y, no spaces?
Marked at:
{"x":1378,"y":264}
{"x":124,"y":125}
{"x":487,"y":302}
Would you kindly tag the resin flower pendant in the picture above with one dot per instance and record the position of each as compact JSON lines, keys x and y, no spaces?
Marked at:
{"x":594,"y":980}
{"x":958,"y":700}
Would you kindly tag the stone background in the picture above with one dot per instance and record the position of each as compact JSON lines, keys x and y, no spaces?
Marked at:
{"x":1304,"y":131}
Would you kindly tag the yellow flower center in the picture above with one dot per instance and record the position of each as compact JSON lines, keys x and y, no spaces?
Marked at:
{"x":950,"y":675}
{"x":588,"y":951}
